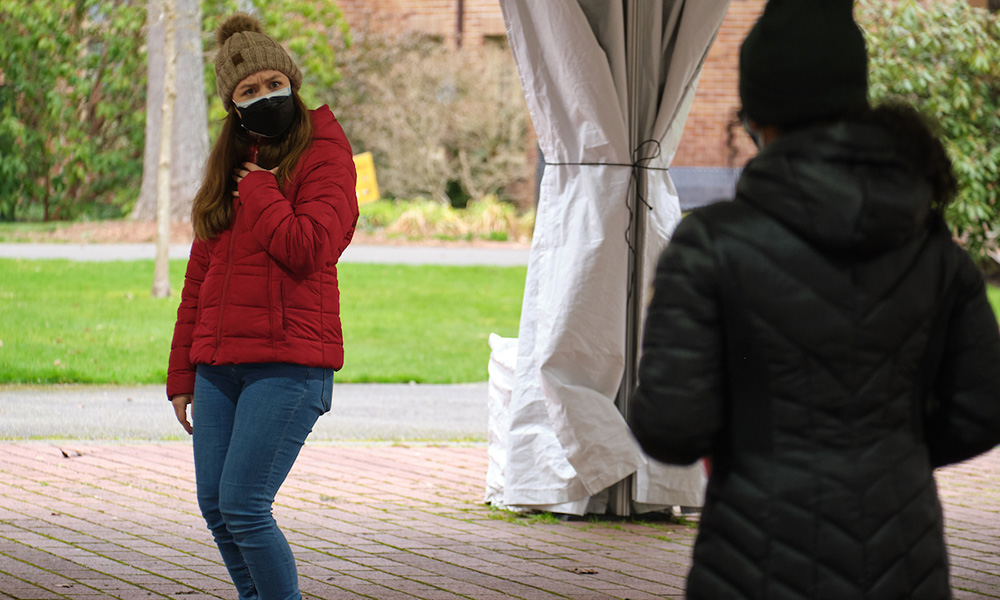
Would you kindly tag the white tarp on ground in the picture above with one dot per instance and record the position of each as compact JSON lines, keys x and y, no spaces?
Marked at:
{"x":565,"y":441}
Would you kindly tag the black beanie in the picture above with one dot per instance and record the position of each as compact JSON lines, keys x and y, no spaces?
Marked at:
{"x":804,"y":61}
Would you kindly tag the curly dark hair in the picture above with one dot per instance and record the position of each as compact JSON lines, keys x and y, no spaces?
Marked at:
{"x":917,"y":140}
{"x":733,"y":128}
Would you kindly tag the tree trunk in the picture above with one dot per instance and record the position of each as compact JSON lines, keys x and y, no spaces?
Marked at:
{"x":190,"y":129}
{"x":161,"y":271}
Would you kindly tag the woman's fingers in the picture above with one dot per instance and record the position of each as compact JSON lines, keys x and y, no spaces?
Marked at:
{"x":181,"y":402}
{"x":240,"y":173}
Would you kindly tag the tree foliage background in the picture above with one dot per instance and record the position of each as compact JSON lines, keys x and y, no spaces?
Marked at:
{"x":73,"y":87}
{"x":944,"y":58}
{"x":72,"y":107}
{"x":442,"y":124}
{"x":448,"y":125}
{"x":445,"y":124}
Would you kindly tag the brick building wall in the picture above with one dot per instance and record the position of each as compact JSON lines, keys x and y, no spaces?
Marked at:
{"x":481,"y":19}
{"x":705,"y":139}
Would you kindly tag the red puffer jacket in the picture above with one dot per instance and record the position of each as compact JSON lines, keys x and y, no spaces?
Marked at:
{"x":265,"y":290}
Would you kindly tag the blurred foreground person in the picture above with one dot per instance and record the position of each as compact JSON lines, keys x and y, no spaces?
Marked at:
{"x":821,"y":338}
{"x":258,"y":333}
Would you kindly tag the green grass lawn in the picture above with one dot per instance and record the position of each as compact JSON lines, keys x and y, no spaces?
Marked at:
{"x":993,"y":293}
{"x":71,"y":322}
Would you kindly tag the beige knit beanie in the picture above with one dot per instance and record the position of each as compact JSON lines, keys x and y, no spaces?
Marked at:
{"x":245,"y":49}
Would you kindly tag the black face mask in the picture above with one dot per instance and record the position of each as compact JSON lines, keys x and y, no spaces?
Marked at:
{"x":270,"y":115}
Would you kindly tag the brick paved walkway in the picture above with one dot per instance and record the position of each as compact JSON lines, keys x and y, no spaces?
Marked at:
{"x":381,"y":522}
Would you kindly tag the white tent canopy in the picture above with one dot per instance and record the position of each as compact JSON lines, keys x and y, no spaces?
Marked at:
{"x":608,"y":86}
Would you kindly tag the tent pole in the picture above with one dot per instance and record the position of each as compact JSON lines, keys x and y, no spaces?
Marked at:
{"x":620,"y":501}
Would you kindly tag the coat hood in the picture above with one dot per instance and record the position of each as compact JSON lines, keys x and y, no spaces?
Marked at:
{"x":328,"y":133}
{"x":325,"y":125}
{"x":842,"y":187}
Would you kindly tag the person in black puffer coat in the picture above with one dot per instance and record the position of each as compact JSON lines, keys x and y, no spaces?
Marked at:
{"x":821,"y":337}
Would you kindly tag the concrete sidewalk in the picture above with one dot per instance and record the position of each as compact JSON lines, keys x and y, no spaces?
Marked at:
{"x":82,"y":521}
{"x":361,"y":412}
{"x":355,"y":253}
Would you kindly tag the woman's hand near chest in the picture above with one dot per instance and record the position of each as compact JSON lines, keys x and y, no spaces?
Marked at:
{"x":245,"y":169}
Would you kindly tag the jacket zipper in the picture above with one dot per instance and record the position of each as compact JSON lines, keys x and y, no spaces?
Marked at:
{"x":225,"y":284}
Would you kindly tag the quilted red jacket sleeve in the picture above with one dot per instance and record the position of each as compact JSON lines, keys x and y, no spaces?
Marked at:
{"x":180,"y":371}
{"x":309,"y":234}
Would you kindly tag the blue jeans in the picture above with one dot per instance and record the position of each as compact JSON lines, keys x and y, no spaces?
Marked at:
{"x":250,"y":421}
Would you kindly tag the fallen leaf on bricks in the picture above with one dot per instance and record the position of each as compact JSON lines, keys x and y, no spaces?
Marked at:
{"x":583,"y":571}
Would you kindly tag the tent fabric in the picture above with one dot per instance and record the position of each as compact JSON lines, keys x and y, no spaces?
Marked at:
{"x":503,"y":358}
{"x":566,"y":441}
{"x":502,"y":364}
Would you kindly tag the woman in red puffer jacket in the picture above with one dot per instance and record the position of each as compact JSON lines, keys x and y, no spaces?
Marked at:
{"x":258,"y":333}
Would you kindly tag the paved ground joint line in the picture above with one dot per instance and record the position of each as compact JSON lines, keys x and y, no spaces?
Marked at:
{"x":376,"y":522}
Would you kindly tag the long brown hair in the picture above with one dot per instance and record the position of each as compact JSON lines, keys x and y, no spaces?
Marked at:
{"x":212,"y":208}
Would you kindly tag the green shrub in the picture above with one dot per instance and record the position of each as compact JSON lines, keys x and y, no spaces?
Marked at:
{"x":72,"y":107}
{"x":375,"y":216}
{"x":488,"y":219}
{"x":944,"y":58}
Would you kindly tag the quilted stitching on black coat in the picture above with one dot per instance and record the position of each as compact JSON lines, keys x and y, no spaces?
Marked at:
{"x":800,"y":524}
{"x":787,"y":338}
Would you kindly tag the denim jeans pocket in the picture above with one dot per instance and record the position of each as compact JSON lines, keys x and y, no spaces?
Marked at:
{"x":327,"y":391}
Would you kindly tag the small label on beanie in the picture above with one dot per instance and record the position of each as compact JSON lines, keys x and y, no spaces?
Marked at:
{"x":237,"y":59}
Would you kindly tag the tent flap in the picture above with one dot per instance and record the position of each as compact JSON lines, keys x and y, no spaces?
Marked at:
{"x":599,"y":79}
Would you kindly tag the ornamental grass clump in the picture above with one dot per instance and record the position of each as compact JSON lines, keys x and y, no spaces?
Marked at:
{"x":489,"y":218}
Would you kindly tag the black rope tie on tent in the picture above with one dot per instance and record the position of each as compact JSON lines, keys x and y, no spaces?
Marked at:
{"x":638,"y":162}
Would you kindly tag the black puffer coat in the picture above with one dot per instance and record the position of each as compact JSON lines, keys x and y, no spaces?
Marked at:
{"x":792,"y":336}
